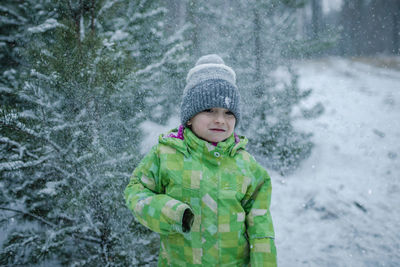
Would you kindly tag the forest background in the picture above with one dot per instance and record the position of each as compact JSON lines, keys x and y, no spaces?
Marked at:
{"x":77,"y":78}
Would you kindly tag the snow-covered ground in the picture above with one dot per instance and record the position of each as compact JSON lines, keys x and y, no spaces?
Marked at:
{"x":342,"y":206}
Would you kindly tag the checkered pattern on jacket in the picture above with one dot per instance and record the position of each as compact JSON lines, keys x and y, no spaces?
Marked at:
{"x":228,"y":192}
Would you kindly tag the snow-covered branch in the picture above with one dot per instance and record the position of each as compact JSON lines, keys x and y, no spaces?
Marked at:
{"x":16,"y":165}
{"x":49,"y":24}
{"x":46,"y":222}
{"x":13,"y":123}
{"x":30,"y":215}
{"x":146,"y":15}
{"x":107,"y":6}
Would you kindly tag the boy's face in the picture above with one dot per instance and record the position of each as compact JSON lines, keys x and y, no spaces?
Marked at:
{"x":213,"y":125}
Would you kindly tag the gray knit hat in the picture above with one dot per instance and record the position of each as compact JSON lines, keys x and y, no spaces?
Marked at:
{"x":210,"y":84}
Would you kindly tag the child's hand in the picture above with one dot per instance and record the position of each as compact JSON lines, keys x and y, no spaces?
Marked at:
{"x":187,"y":220}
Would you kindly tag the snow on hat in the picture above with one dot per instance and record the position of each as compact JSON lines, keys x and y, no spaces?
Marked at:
{"x":210,"y":83}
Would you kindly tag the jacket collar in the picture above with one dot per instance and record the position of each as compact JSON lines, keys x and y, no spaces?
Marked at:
{"x":193,"y":144}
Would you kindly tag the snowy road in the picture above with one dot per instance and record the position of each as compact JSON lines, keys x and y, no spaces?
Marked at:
{"x":342,"y":207}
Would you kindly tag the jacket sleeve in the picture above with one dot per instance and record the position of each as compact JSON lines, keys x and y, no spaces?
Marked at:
{"x":260,"y":229}
{"x":145,"y":197}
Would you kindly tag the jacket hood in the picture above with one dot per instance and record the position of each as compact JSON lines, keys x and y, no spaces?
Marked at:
{"x":191,"y":143}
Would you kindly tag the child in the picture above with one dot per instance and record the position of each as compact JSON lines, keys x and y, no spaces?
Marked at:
{"x":198,"y":187}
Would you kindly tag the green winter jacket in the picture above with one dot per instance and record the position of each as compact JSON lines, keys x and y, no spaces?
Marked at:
{"x":228,"y":192}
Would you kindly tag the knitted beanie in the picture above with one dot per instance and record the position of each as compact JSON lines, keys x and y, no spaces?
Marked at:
{"x":210,"y":83}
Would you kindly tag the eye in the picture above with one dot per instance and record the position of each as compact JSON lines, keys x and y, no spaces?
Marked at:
{"x":229,"y":113}
{"x":207,"y":110}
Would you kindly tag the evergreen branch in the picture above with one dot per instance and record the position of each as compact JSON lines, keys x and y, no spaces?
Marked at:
{"x":7,"y":140}
{"x":5,"y":90}
{"x":15,"y":165}
{"x":10,"y":11}
{"x":87,"y":238}
{"x":124,"y":157}
{"x":65,"y":173}
{"x":108,"y":5}
{"x":72,"y":125}
{"x":21,"y":127}
{"x":147,"y":15}
{"x":30,"y":215}
{"x":54,"y":226}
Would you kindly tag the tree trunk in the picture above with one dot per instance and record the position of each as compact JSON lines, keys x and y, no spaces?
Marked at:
{"x":257,"y":52}
{"x":192,"y":17}
{"x":358,"y":27}
{"x":352,"y":27}
{"x":396,"y":28}
{"x":92,"y":17}
{"x":316,"y":20}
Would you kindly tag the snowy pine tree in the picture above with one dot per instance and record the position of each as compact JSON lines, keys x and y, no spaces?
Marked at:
{"x":91,"y":69}
{"x":271,"y":87}
{"x":257,"y":38}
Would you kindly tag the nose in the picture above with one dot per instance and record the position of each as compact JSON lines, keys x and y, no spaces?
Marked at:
{"x":219,"y":118}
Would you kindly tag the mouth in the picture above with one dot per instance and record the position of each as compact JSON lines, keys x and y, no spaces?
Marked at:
{"x":217,"y":130}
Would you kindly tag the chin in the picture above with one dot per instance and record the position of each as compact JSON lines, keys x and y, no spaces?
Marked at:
{"x":218,"y":140}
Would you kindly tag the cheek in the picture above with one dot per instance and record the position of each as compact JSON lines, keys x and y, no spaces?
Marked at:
{"x":200,"y":123}
{"x":232,"y":122}
{"x":204,"y":120}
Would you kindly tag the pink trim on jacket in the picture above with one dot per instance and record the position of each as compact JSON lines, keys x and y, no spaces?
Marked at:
{"x":179,"y":135}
